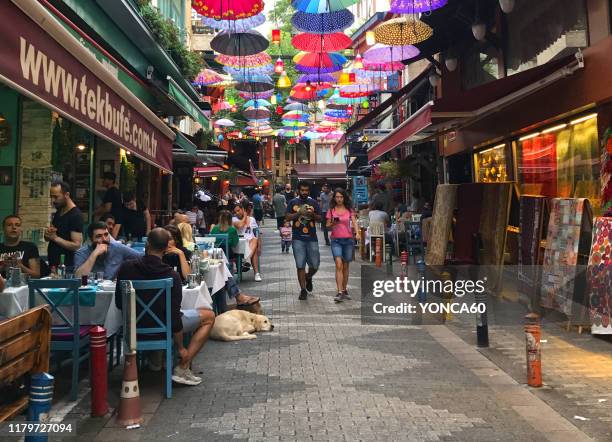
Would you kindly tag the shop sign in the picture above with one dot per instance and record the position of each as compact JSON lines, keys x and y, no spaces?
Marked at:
{"x":44,"y":70}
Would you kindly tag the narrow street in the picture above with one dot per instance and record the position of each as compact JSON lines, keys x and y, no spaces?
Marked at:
{"x":321,"y":375}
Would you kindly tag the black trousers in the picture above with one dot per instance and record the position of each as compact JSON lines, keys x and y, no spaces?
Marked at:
{"x":280,"y":222}
{"x":324,"y":227}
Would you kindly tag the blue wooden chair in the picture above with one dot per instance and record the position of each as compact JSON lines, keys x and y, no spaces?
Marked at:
{"x":70,"y":336}
{"x":163,"y":325}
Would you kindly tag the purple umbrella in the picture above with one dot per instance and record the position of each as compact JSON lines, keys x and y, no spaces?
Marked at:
{"x":316,"y":78}
{"x":326,"y":23}
{"x":380,"y":53}
{"x":415,"y":6}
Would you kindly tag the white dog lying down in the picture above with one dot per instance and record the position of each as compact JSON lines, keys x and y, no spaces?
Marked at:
{"x":236,"y":325}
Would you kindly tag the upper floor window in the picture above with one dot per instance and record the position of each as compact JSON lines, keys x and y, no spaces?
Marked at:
{"x":543,"y":30}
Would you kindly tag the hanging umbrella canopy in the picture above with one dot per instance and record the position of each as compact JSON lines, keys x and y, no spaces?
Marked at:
{"x":383,"y":53}
{"x":254,"y":60}
{"x":296,"y":115}
{"x":239,"y":44}
{"x":415,"y":6}
{"x":228,"y":9}
{"x":321,"y":42}
{"x":266,"y":69}
{"x":338,"y":119}
{"x":220,"y":106}
{"x":253,"y":87}
{"x":335,"y":113}
{"x":254,"y":79}
{"x":206,"y":77}
{"x":363,"y":75}
{"x":402,"y":31}
{"x":256,"y":95}
{"x":346,"y":101}
{"x":385,"y":66}
{"x":224,"y":122}
{"x":314,"y":59}
{"x":294,"y":123}
{"x":312,"y":135}
{"x":334,"y":135}
{"x":314,"y":70}
{"x":320,"y":6}
{"x":316,"y":78}
{"x":305,"y":92}
{"x":296,"y":107}
{"x":258,"y":103}
{"x":240,"y":25}
{"x":252,"y":113}
{"x":326,"y":23}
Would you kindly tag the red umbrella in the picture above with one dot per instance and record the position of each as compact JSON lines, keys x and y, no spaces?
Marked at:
{"x":308,"y":92}
{"x":319,"y":60}
{"x":228,"y":9}
{"x":321,"y":42}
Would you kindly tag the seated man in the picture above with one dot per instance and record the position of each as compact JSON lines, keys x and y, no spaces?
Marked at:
{"x":199,"y":321}
{"x":102,"y":255}
{"x":13,"y":248}
{"x":109,"y":220}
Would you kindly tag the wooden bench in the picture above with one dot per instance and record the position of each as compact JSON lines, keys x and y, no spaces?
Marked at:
{"x":24,"y":349}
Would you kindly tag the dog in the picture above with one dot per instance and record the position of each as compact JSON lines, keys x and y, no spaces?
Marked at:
{"x":237,"y":325}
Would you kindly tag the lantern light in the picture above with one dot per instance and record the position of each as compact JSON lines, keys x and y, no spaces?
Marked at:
{"x":349,"y":110}
{"x":344,"y":78}
{"x":321,"y":105}
{"x":507,"y":6}
{"x":220,"y":137}
{"x":239,"y":135}
{"x":358,"y":62}
{"x":308,"y":87}
{"x":365,"y":104}
{"x":479,"y":30}
{"x":279,"y":66}
{"x":283,"y":80}
{"x":370,"y":38}
{"x":434,"y":78}
{"x":214,"y":178}
{"x":231,"y":102}
{"x":279,"y":110}
{"x":273,"y":99}
{"x":233,"y":108}
{"x":276,"y":36}
{"x":352,"y":77}
{"x":451,"y":63}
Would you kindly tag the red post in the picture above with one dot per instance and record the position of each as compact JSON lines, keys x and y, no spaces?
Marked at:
{"x":99,"y":372}
{"x":533,"y":333}
{"x":130,"y":414}
{"x":378,"y":252}
{"x":404,"y":266}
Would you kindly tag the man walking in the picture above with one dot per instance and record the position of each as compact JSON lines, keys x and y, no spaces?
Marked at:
{"x":280,"y":207}
{"x":324,"y":202}
{"x":303,"y":212}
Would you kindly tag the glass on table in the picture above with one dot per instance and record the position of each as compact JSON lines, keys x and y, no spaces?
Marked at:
{"x":99,"y":277}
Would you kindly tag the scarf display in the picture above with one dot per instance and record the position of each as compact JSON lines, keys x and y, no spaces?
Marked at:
{"x":599,"y":277}
{"x":531,"y":223}
{"x":441,"y":223}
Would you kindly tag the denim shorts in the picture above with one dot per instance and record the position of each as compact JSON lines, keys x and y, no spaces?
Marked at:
{"x":343,"y":248}
{"x":191,"y":320}
{"x":306,"y":252}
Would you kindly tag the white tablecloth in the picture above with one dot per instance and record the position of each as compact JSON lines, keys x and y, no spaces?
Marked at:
{"x":216,"y":276}
{"x":240,"y":247}
{"x":198,"y":297}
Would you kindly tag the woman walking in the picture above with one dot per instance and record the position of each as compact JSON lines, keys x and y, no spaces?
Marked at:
{"x":341,"y":220}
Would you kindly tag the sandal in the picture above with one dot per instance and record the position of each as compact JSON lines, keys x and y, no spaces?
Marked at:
{"x":253,"y":300}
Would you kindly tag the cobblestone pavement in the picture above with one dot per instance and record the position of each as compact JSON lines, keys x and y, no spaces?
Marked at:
{"x":321,"y":375}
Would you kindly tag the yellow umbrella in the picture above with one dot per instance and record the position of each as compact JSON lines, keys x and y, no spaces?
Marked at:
{"x":401,"y":31}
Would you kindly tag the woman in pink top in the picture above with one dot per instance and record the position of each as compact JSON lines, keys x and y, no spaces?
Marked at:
{"x":342,"y":222}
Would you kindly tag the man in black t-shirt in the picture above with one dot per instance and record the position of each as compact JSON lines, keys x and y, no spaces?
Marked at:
{"x":112,"y":202}
{"x":288,"y":193}
{"x":65,"y":235}
{"x":23,"y":253}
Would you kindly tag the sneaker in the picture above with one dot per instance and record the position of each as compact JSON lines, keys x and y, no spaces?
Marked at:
{"x":192,"y":376}
{"x":156,"y":359}
{"x":309,"y":284}
{"x":339,"y":297}
{"x":257,"y":277}
{"x":184,"y":376}
{"x":303,"y":295}
{"x":346,"y":296}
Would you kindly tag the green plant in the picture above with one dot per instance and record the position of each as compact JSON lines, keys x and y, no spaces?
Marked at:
{"x":230,"y":175}
{"x":127,"y":181}
{"x":389,"y":169}
{"x":168,"y":35}
{"x":203,"y":139}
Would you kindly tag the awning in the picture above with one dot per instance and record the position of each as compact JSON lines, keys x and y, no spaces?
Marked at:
{"x":417,"y":122}
{"x":184,"y":143}
{"x":43,"y":61}
{"x":334,"y":171}
{"x":208,"y":171}
{"x":244,"y":181}
{"x":186,"y":103}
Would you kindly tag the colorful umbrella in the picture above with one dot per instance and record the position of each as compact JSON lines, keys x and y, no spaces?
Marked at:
{"x":415,"y":6}
{"x":239,"y":44}
{"x":266,"y":69}
{"x":224,"y":122}
{"x":402,"y":31}
{"x":296,"y":115}
{"x":335,"y":113}
{"x":259,"y":103}
{"x":289,"y":133}
{"x":295,"y":123}
{"x":334,"y":135}
{"x":316,"y":78}
{"x":252,"y":113}
{"x":256,"y":95}
{"x":386,"y":66}
{"x":319,"y":6}
{"x":242,"y":78}
{"x":254,"y":60}
{"x":347,"y":101}
{"x":326,"y":23}
{"x":321,"y":42}
{"x":364,"y":75}
{"x":313,"y":59}
{"x":332,"y":105}
{"x":253,"y":86}
{"x":240,"y":25}
{"x":316,"y":69}
{"x":338,"y":119}
{"x":206,"y":77}
{"x":312,"y":135}
{"x":306,"y":92}
{"x":296,"y":107}
{"x":228,"y":9}
{"x":382,"y":53}
{"x":220,"y":106}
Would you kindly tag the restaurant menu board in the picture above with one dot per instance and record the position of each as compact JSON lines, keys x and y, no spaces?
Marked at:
{"x":569,"y":222}
{"x":599,"y":276}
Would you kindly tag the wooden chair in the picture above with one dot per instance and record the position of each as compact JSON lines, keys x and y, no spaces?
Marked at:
{"x":147,"y":294}
{"x":70,"y":336}
{"x":24,"y":349}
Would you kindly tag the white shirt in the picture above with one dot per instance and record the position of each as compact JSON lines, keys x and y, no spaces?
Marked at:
{"x":248,"y":231}
{"x":194,"y":216}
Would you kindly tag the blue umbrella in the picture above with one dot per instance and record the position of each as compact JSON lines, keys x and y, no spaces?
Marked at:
{"x":241,"y":78}
{"x":315,"y":69}
{"x":255,"y":70}
{"x":316,"y":78}
{"x":296,"y":106}
{"x":326,"y":23}
{"x":319,"y":6}
{"x":241,"y":25}
{"x":260,"y":102}
{"x":335,"y":113}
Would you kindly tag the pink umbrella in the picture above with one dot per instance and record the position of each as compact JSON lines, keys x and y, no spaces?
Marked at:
{"x":383,"y":66}
{"x":380,"y":53}
{"x":235,"y":61}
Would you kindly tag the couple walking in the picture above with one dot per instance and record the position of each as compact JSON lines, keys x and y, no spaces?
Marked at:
{"x":303,"y":213}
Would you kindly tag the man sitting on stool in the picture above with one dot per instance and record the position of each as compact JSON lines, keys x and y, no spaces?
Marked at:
{"x":198,"y":321}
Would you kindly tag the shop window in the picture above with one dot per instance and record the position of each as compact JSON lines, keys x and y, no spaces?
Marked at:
{"x":480,"y":65}
{"x":538,"y":32}
{"x":493,"y":165}
{"x":562,"y":161}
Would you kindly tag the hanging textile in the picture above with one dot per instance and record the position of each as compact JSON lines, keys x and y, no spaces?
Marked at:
{"x":599,"y":276}
{"x":441,"y":222}
{"x":531,"y":225}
